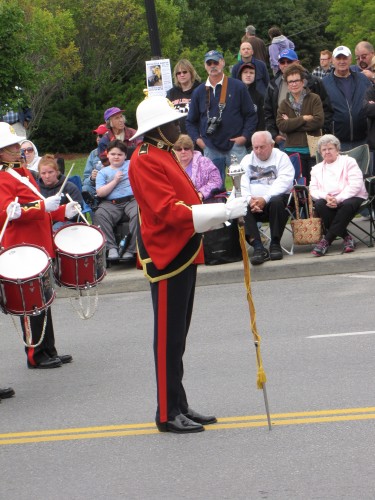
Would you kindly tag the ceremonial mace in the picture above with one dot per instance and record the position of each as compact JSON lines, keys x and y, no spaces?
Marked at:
{"x":236,"y":171}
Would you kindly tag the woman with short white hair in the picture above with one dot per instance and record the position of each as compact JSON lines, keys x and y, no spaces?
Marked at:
{"x":338,"y":189}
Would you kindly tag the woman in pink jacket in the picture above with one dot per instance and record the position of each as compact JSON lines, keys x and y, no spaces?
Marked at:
{"x":202,"y":171}
{"x":338,"y":189}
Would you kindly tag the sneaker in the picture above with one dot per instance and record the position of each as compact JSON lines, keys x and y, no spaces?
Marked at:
{"x":321,"y":248}
{"x":276,"y":252}
{"x":113,"y":254}
{"x":349,"y":244}
{"x":260,"y":255}
{"x":128,"y":256}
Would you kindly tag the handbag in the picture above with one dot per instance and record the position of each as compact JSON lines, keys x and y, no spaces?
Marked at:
{"x":312,"y":142}
{"x":306,"y":231}
{"x":222,"y":245}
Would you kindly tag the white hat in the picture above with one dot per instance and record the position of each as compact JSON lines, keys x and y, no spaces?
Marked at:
{"x":153,"y":112}
{"x":342,"y":50}
{"x":8,"y":135}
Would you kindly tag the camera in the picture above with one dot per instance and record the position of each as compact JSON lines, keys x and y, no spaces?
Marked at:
{"x":213,"y":124}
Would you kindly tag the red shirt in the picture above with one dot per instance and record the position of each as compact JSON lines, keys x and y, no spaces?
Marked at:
{"x":164,"y":193}
{"x":35,"y":224}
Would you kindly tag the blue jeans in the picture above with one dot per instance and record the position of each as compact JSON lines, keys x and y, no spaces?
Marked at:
{"x":222,"y":159}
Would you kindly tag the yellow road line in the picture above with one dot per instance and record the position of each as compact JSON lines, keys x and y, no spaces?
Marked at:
{"x":148,"y":428}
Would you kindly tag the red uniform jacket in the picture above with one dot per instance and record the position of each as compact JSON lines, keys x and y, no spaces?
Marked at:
{"x":164,"y":193}
{"x":35,"y":224}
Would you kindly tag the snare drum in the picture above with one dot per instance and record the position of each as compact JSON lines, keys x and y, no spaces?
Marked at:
{"x":25,"y":280}
{"x":80,"y":256}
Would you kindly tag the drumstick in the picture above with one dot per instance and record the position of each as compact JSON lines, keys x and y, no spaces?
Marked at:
{"x":79,"y":211}
{"x":7,"y":219}
{"x":65,"y":181}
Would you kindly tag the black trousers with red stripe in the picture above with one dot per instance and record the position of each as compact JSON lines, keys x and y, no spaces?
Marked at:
{"x":47,"y":347}
{"x":173,"y":301}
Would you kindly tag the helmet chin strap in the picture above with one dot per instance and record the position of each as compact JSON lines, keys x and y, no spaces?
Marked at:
{"x":163,"y":137}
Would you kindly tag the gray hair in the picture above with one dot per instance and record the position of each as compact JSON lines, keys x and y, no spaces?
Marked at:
{"x":328,"y":139}
{"x":265,"y":134}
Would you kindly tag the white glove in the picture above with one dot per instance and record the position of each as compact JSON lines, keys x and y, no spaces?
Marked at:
{"x":72,"y":209}
{"x":13,"y":210}
{"x":236,"y":207}
{"x":52,"y":203}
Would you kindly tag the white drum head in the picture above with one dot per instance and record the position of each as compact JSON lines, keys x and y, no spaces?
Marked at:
{"x":79,"y":239}
{"x":22,"y":262}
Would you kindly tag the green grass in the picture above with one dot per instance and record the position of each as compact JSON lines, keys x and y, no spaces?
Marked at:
{"x":79,"y":166}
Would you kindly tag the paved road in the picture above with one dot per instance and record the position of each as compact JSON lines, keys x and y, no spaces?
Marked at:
{"x":86,"y":431}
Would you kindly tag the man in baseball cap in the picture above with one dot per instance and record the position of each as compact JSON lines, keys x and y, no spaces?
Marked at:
{"x":93,"y":165}
{"x":346,"y":89}
{"x":169,"y":241}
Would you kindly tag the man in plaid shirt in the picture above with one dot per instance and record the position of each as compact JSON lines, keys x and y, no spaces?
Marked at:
{"x":326,"y":66}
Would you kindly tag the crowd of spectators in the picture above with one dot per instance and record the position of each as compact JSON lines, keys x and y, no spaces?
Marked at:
{"x":221,"y":114}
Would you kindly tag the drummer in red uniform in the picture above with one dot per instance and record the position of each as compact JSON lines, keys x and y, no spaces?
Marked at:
{"x":29,"y":223}
{"x":171,"y":218}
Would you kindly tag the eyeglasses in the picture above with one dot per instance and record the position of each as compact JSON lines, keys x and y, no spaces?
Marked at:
{"x":27,"y":150}
{"x":182,"y":149}
{"x":178,"y":73}
{"x":293,"y":82}
{"x":211,"y":62}
{"x":100,"y":136}
{"x":362,"y":56}
{"x":285,"y":61}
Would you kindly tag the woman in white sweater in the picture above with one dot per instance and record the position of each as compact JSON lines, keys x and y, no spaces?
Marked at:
{"x":338,"y":189}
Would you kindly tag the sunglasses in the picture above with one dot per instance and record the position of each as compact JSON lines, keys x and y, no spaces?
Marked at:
{"x":211,"y":62}
{"x":27,"y":150}
{"x":100,"y":136}
{"x":178,"y":73}
{"x":182,"y":149}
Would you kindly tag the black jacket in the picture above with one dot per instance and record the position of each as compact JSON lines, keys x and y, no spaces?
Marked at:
{"x":370,"y":114}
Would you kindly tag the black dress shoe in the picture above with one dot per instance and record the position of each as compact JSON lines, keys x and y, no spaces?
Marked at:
{"x":180,"y":425}
{"x":6,"y":393}
{"x":276,"y":252}
{"x":49,"y":363}
{"x":65,"y":358}
{"x":259,"y":256}
{"x":200,"y":419}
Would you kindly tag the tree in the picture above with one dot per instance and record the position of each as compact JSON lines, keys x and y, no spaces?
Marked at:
{"x":351,"y":21}
{"x":14,"y":70}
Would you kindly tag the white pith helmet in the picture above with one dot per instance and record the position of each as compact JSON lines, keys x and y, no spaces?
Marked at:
{"x":8,"y":135}
{"x":153,"y":112}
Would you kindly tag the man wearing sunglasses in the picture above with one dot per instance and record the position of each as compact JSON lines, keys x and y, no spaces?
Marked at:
{"x":93,"y":165}
{"x":221,"y":116}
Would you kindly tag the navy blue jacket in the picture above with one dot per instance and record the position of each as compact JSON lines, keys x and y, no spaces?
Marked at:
{"x":262,"y":77}
{"x":349,"y":121}
{"x":238,"y":118}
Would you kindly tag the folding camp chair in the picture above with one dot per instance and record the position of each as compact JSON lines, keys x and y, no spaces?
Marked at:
{"x":86,"y":209}
{"x":362,"y":156}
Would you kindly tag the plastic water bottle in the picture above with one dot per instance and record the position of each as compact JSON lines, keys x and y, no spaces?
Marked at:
{"x":122,"y":246}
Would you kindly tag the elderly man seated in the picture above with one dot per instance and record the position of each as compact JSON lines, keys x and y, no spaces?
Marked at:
{"x":266,"y":183}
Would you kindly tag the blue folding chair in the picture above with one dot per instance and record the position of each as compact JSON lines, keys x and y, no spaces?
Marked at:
{"x":86,"y":209}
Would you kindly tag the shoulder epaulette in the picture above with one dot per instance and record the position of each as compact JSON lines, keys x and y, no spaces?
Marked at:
{"x":143,"y":150}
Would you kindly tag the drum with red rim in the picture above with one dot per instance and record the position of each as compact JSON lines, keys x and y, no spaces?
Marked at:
{"x":80,"y":256}
{"x":25,"y":280}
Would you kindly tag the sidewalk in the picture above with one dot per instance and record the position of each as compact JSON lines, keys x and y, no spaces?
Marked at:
{"x":123,"y":278}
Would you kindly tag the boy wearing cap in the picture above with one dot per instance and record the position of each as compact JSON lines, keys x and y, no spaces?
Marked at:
{"x":93,"y":165}
{"x":346,"y":89}
{"x":115,"y":121}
